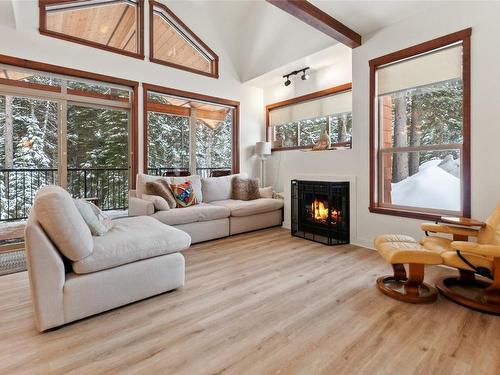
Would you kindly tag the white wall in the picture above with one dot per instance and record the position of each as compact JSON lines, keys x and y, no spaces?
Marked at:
{"x":485,"y":56}
{"x":21,"y":39}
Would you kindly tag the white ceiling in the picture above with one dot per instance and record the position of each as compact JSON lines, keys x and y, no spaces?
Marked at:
{"x":260,"y":38}
{"x":256,"y":36}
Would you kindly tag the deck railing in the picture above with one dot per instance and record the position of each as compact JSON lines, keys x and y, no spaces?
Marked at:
{"x":203,"y":172}
{"x":18,"y":187}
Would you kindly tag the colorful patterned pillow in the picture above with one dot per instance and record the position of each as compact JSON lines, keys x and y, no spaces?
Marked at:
{"x":184,"y":194}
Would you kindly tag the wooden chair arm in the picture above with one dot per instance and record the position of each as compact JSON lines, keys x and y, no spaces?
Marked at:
{"x":491,"y":251}
{"x":449,"y":229}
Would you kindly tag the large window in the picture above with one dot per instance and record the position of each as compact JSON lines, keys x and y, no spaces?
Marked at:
{"x":420,"y":137}
{"x":173,"y":44}
{"x":113,"y":25}
{"x":62,"y":130}
{"x":298,"y":123}
{"x":189,"y":133}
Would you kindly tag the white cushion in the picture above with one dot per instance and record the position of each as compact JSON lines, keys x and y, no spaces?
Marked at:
{"x":132,"y":239}
{"x":159,"y":203}
{"x":97,"y":221}
{"x":218,"y":188}
{"x":266,"y":192}
{"x":253,"y":207}
{"x":60,"y":219}
{"x":192,"y":214}
{"x":142,"y":179}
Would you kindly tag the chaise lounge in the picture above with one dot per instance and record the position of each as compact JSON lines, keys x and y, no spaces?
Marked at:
{"x":74,"y":274}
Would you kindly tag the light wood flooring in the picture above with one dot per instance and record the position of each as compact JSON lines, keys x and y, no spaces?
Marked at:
{"x":259,"y":303}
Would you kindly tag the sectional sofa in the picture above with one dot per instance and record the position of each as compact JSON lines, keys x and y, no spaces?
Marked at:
{"x":216,"y":215}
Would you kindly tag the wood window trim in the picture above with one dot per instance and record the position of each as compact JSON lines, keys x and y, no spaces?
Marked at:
{"x":459,"y":36}
{"x":44,"y":31}
{"x":152,"y":58}
{"x":146,"y":88}
{"x":55,"y":69}
{"x":300,"y":99}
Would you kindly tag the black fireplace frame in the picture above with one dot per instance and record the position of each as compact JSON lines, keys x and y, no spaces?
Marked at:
{"x":338,"y":195}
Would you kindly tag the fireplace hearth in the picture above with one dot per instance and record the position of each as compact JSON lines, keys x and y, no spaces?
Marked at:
{"x":320,"y":211}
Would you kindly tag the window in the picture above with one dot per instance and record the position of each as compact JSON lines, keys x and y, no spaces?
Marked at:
{"x":190,"y":133}
{"x":173,"y":44}
{"x":420,"y":165}
{"x":113,"y":25}
{"x":298,"y":123}
{"x":57,"y":129}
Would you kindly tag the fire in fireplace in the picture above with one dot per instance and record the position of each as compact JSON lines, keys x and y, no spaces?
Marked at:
{"x":320,"y":211}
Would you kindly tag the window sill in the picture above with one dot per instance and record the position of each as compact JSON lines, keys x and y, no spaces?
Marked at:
{"x":408,"y":214}
{"x":333,"y":147}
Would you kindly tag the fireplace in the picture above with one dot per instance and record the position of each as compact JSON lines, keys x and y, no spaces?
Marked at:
{"x":320,"y":211}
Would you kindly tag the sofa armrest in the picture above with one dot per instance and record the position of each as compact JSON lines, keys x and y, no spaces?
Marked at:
{"x":140,"y":207}
{"x":47,"y":277}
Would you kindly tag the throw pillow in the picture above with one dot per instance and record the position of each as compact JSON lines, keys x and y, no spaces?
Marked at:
{"x":245,"y":189}
{"x":240,"y":188}
{"x":253,"y":189}
{"x":97,"y":221}
{"x":161,"y":188}
{"x":184,"y":194}
{"x":159,"y":203}
{"x":266,"y":192}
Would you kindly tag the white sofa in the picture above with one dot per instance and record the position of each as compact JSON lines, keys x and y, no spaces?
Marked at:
{"x":216,"y":216}
{"x":73,"y":274}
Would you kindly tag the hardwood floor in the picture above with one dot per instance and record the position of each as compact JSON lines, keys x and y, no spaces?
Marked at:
{"x":259,"y":303}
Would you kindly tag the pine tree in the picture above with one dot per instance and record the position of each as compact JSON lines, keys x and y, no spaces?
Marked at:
{"x":400,"y":159}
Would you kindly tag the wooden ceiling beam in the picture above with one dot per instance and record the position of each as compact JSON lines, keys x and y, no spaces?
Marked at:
{"x":315,"y":17}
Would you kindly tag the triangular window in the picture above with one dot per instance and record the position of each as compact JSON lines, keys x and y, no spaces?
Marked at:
{"x":173,"y":44}
{"x":113,"y":25}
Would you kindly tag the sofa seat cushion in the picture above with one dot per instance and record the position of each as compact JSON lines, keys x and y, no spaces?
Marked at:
{"x":192,"y":214}
{"x":132,"y":239}
{"x":253,"y":207}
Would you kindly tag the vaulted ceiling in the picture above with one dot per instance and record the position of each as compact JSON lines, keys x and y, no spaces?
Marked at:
{"x":254,"y":35}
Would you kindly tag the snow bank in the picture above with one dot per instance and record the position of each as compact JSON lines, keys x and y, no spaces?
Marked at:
{"x":430,"y":187}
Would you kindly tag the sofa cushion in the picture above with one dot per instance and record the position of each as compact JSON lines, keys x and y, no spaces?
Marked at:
{"x":142,"y":179}
{"x":132,"y":239}
{"x":253,"y":207}
{"x":218,"y":188}
{"x":60,"y":219}
{"x":192,"y":214}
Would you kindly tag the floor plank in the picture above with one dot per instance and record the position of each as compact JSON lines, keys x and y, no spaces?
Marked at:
{"x":259,"y":303}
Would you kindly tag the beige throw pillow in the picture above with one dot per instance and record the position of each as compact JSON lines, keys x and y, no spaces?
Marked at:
{"x":245,"y":189}
{"x":159,"y":203}
{"x":97,"y":221}
{"x":160,"y":187}
{"x":266,"y":192}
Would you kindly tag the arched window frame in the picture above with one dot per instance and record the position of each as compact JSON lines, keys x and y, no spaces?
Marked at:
{"x":43,"y":4}
{"x":186,"y":31}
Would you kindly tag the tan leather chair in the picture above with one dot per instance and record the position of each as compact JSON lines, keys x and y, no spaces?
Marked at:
{"x":481,"y":257}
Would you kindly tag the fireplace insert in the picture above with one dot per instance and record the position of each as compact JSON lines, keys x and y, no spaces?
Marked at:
{"x":320,"y":211}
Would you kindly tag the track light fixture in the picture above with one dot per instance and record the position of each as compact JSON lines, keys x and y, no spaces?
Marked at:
{"x":304,"y":76}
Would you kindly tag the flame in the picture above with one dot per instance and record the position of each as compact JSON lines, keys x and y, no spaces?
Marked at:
{"x":320,"y":212}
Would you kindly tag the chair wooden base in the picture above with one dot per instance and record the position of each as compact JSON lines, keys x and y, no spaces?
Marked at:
{"x":409,"y":289}
{"x":476,"y":294}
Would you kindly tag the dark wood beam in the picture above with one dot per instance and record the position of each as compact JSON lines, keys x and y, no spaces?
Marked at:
{"x":315,"y":17}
